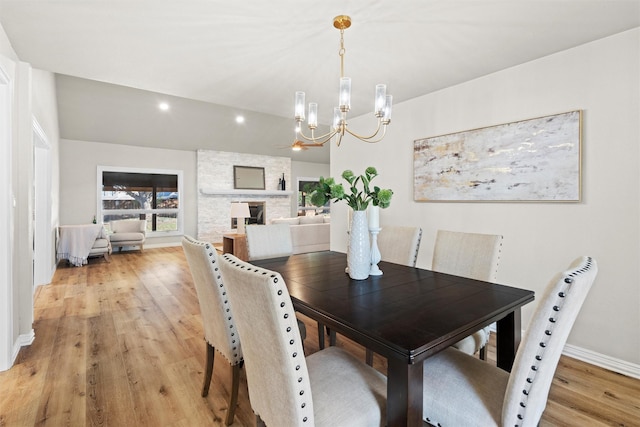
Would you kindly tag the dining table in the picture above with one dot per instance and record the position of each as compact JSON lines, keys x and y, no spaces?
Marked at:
{"x":406,"y":315}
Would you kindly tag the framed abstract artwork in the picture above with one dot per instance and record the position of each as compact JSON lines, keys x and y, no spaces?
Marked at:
{"x":530,"y":160}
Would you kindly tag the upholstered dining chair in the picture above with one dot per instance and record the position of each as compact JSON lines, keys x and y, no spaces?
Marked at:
{"x":471,"y":255}
{"x":271,"y":241}
{"x":220,"y":331}
{"x":327,"y":388}
{"x":461,"y":390}
{"x":399,"y":245}
{"x":268,"y":241}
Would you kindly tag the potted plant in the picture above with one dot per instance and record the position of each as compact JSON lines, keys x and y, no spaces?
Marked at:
{"x":359,"y":196}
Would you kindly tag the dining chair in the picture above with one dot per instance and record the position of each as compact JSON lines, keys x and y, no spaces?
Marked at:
{"x":471,"y":255}
{"x":461,"y":390}
{"x":327,"y":388}
{"x":399,"y":245}
{"x":217,"y":315}
{"x":268,"y":241}
{"x":271,"y":241}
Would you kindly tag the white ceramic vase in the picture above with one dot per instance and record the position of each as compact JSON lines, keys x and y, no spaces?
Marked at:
{"x":359,"y":256}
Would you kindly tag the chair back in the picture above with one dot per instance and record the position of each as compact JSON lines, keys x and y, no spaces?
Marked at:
{"x":215,"y":308}
{"x":277,"y":376}
{"x":399,"y":244}
{"x":542,"y":344}
{"x":471,"y":255}
{"x":129,"y":226}
{"x":268,"y":241}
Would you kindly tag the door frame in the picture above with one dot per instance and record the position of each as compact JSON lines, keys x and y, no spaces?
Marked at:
{"x":6,"y":224}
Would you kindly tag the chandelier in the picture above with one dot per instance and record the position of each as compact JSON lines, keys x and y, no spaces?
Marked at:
{"x":382,"y":109}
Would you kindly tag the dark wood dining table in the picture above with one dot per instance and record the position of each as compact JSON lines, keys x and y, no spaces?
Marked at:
{"x":406,"y":315}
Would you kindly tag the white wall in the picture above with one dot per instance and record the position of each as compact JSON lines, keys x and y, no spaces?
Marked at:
{"x":601,"y":78}
{"x":32,"y":94}
{"x":78,"y":165}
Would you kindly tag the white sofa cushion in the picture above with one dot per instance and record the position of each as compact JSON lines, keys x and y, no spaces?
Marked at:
{"x":317,"y":219}
{"x":290,"y":221}
{"x":127,"y":237}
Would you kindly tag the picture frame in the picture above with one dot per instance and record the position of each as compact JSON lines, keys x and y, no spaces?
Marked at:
{"x":248,"y":178}
{"x":529,"y":160}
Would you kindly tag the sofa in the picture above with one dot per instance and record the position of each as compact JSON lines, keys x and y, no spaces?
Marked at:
{"x":128,"y":232}
{"x":308,"y":233}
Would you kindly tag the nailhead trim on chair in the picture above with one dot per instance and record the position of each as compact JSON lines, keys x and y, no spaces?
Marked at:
{"x":415,"y":255}
{"x":210,"y":253}
{"x":289,"y":330}
{"x":547,"y":336}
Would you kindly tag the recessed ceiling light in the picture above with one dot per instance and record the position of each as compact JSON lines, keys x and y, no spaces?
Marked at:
{"x":239,"y":119}
{"x":163,"y":106}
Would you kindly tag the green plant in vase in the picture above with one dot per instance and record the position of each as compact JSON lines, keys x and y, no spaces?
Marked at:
{"x":360,"y":194}
{"x":358,"y":198}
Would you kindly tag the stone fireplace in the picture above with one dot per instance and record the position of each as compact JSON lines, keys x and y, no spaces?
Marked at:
{"x":216,"y":192}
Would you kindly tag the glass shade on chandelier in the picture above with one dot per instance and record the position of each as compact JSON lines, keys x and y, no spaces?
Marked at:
{"x":382,"y":107}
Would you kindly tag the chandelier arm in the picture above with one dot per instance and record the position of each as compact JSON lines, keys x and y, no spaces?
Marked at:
{"x":371,"y":141}
{"x":322,"y":139}
{"x":366,"y":138}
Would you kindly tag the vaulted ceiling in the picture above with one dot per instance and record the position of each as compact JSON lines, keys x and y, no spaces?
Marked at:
{"x":212,"y":60}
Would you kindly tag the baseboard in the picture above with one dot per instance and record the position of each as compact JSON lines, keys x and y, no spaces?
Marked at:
{"x":162,"y":245}
{"x":607,"y":362}
{"x":23,"y":339}
{"x":602,"y":360}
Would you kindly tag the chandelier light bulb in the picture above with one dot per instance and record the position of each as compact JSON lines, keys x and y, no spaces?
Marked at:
{"x":313,"y":115}
{"x":299,"y":107}
{"x":381,"y":92}
{"x":345,"y":93}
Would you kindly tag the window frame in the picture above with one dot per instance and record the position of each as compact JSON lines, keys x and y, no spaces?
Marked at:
{"x":100,"y":211}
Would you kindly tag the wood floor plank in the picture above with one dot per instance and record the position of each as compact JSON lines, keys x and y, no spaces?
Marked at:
{"x":121,"y":343}
{"x":108,"y":395}
{"x":21,"y":392}
{"x":64,"y":390}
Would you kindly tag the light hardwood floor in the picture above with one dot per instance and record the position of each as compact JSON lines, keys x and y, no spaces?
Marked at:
{"x":121,"y":344}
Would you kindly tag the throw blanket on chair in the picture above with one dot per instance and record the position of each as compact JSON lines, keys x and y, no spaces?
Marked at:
{"x":75,"y":242}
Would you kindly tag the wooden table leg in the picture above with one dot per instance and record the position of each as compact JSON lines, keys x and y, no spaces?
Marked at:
{"x":508,"y":339}
{"x":404,"y":393}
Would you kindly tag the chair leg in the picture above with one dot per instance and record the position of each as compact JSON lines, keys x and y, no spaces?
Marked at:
{"x":320,"y":335}
{"x":233,"y":399}
{"x":208,"y":370}
{"x":483,"y":353}
{"x":332,"y":337}
{"x":369,"y":357}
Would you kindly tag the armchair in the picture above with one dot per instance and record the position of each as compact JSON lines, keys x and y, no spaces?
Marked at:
{"x":128,"y":233}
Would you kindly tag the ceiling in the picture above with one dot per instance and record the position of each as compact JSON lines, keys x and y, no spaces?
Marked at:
{"x":212,"y":60}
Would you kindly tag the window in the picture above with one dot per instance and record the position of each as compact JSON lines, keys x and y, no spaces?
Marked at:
{"x":154,"y":195}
